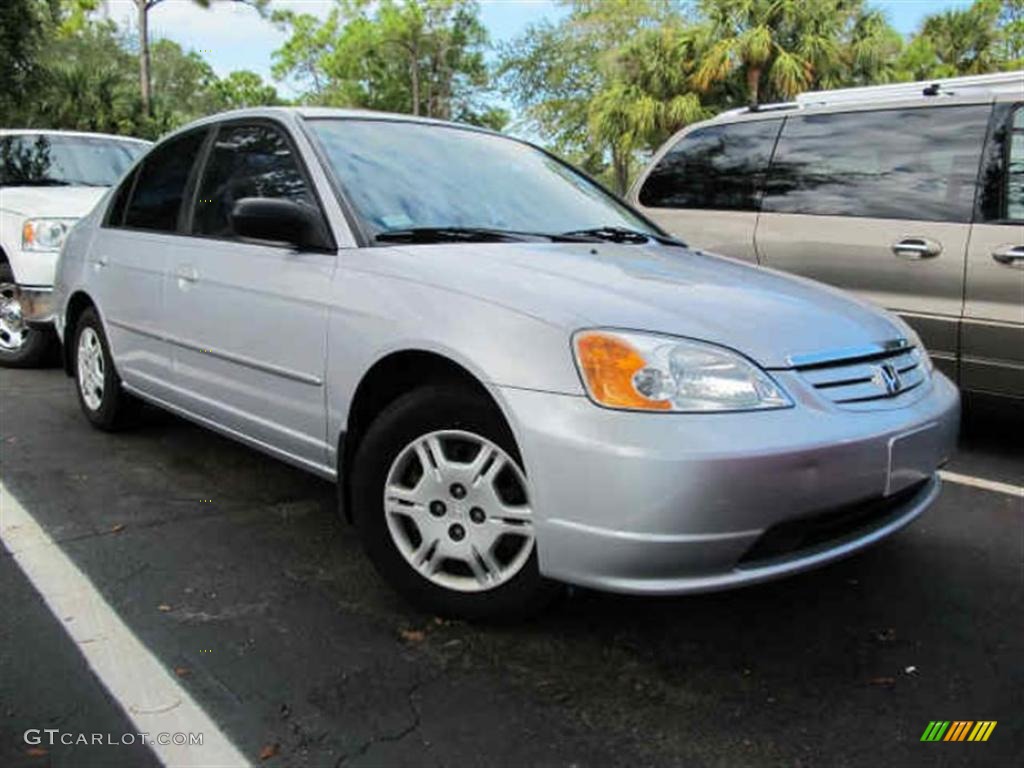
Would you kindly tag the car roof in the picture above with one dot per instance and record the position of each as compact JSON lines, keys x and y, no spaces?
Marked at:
{"x":36,"y":131}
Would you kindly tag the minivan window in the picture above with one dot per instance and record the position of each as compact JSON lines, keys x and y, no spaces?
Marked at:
{"x":720,"y":167}
{"x":893,"y":164}
{"x":1015,"y":170}
{"x":246,"y":161}
{"x":156,"y":201}
{"x":401,"y":175}
{"x":61,"y":160}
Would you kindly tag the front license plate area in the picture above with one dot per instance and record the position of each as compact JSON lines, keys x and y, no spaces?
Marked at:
{"x":913,"y":457}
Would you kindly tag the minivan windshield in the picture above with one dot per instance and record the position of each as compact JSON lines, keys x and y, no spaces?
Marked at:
{"x":402,"y":175}
{"x":56,"y":160}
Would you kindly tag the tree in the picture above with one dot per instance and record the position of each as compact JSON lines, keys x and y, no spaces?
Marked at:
{"x":962,"y":41}
{"x":22,"y":31}
{"x":424,"y":58}
{"x":142,"y":9}
{"x":243,"y":88}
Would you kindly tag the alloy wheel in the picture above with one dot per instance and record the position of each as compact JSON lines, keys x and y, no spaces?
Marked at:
{"x":13,"y":331}
{"x":91,"y":370}
{"x":458,"y":510}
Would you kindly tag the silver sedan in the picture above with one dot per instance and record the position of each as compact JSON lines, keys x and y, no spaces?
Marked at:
{"x":515,"y":379}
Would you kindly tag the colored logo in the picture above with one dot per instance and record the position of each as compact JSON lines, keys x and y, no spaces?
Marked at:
{"x":958,"y":730}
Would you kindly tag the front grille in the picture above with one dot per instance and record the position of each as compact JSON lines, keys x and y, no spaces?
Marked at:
{"x":807,"y":534}
{"x":868,"y":377}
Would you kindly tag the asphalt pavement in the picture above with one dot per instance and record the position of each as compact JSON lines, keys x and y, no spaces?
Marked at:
{"x":236,"y":573}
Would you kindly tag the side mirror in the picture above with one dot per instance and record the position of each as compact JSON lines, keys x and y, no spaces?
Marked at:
{"x":276,"y":219}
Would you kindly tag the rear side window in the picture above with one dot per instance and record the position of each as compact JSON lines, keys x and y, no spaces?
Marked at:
{"x":1015,"y":169}
{"x":719,"y":167}
{"x":892,"y":164}
{"x":156,"y":201}
{"x":246,"y":161}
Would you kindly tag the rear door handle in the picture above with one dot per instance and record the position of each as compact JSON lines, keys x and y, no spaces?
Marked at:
{"x":1011,"y":255}
{"x":187,"y":273}
{"x":917,"y":248}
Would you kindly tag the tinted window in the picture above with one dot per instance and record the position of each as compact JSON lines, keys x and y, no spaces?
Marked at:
{"x":721,"y":167}
{"x":246,"y":161}
{"x":56,"y":160}
{"x":901,"y":164}
{"x":115,"y":217}
{"x":1015,"y":170}
{"x":401,"y":174}
{"x":156,"y":200}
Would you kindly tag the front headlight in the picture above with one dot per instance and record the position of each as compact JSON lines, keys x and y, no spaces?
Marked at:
{"x":45,"y":234}
{"x":648,"y":372}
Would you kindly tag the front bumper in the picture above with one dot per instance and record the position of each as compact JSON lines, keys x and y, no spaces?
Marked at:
{"x":37,"y":306}
{"x":658,"y":503}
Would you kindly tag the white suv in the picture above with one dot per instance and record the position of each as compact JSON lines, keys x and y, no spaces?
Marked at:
{"x":48,"y":180}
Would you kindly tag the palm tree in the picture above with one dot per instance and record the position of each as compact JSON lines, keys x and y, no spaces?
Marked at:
{"x":965,"y":41}
{"x":142,"y":9}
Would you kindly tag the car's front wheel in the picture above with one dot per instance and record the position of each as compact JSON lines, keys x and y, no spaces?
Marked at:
{"x":104,"y":402}
{"x":20,"y":345}
{"x":443,"y":506}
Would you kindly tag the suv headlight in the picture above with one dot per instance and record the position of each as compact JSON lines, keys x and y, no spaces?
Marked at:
{"x":45,"y":234}
{"x":648,"y":372}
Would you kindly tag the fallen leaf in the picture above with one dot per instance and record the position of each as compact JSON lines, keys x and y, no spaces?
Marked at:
{"x":882,"y":680}
{"x":163,"y":607}
{"x":911,"y":670}
{"x":36,"y":752}
{"x":269,"y":751}
{"x":182,"y":671}
{"x":117,"y":528}
{"x":413,"y":635}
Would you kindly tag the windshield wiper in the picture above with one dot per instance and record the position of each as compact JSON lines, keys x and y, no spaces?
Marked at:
{"x":469,"y":234}
{"x":624,"y":235}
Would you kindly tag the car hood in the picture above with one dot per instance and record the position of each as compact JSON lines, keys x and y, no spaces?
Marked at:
{"x":70,"y":202}
{"x":767,"y":315}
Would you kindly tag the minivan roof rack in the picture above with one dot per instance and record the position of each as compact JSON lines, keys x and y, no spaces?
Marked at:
{"x":952,"y":86}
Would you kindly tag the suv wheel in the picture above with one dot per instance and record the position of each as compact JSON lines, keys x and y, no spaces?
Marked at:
{"x":105,"y":404}
{"x":20,"y":345}
{"x":443,"y":506}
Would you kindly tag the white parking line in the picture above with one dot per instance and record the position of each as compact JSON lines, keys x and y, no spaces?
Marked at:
{"x":980,"y":482}
{"x":149,"y":695}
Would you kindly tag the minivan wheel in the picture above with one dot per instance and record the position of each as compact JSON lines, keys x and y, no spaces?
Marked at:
{"x":105,"y":404}
{"x":20,"y":345}
{"x":443,"y":506}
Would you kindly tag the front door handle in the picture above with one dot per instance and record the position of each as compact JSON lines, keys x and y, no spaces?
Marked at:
{"x":1011,"y":255}
{"x":187,"y":273}
{"x":100,"y":261}
{"x":917,"y":248}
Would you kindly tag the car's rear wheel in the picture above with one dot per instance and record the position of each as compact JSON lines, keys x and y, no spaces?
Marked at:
{"x":20,"y":345}
{"x":443,"y":506}
{"x":103,"y":400}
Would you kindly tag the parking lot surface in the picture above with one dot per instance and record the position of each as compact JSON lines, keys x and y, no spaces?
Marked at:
{"x":236,"y":573}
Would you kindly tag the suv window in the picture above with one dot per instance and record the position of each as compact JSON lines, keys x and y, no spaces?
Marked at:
{"x":246,"y":161}
{"x":1015,"y":169}
{"x":719,"y":167}
{"x":892,"y":164}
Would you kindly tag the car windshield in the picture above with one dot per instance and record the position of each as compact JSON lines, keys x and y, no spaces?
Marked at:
{"x":49,"y":159}
{"x":402,"y":175}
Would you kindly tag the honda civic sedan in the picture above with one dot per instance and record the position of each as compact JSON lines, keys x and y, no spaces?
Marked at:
{"x":516,"y":380}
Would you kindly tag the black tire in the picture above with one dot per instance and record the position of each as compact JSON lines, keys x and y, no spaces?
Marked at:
{"x":417,"y":413}
{"x":116,"y":407}
{"x":38,"y":343}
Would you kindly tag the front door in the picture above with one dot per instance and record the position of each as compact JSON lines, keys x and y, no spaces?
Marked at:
{"x":250,"y":318}
{"x":879,"y":202}
{"x":993,"y":324}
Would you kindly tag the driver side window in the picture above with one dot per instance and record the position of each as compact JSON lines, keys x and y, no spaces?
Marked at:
{"x":246,"y":161}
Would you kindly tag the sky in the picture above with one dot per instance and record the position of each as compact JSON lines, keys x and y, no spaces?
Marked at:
{"x":233,"y":36}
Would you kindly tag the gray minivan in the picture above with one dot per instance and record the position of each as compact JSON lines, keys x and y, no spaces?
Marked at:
{"x":910,"y":195}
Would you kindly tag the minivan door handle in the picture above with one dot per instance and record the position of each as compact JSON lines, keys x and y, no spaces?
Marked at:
{"x":1011,"y":255}
{"x":917,"y":248}
{"x":186,"y":273}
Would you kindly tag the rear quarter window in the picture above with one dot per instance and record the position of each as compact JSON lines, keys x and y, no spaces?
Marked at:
{"x":718,"y":167}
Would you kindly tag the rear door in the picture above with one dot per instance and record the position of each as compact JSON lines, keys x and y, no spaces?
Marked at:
{"x":250,"y":317}
{"x":993,"y":324}
{"x":879,"y":202}
{"x":706,"y":188}
{"x":129,"y":258}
